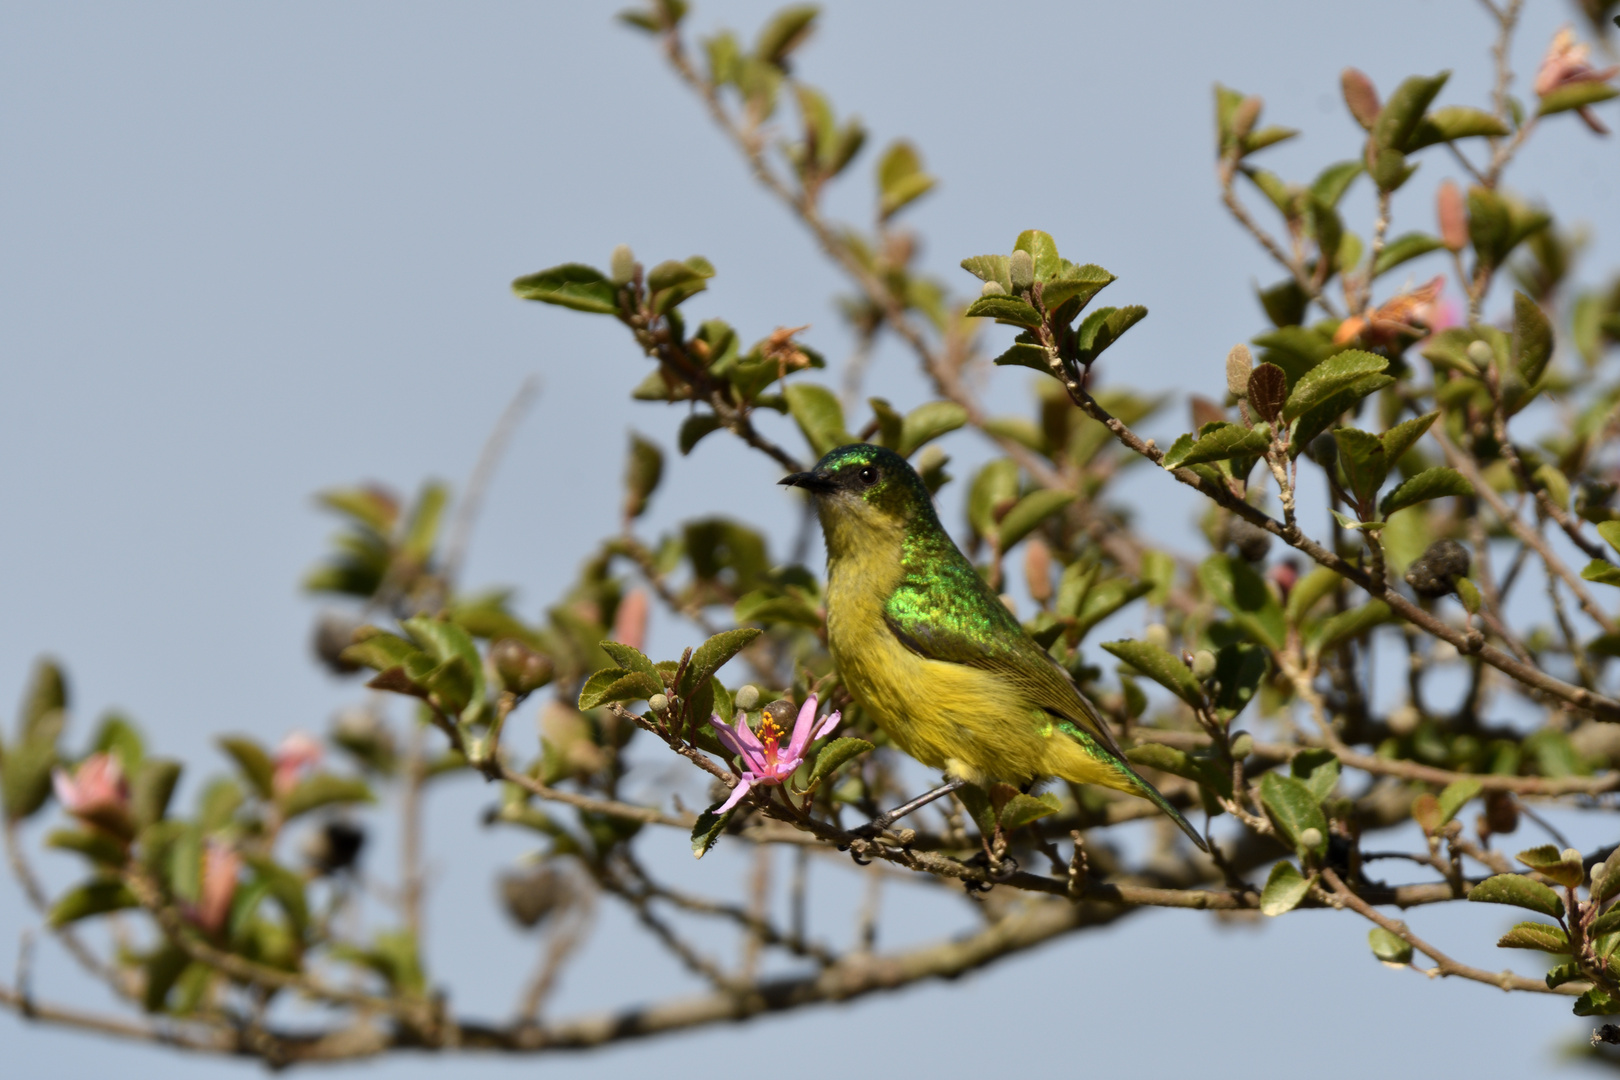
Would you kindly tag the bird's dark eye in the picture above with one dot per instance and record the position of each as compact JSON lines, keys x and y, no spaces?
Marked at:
{"x":869,"y":476}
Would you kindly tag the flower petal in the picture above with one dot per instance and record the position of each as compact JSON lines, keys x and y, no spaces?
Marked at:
{"x":828,"y":724}
{"x":66,"y":792}
{"x":802,"y":727}
{"x":746,"y":738}
{"x":744,"y":786}
{"x":726,"y":735}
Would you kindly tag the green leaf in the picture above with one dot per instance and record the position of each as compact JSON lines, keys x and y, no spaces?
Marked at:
{"x":1025,"y":354}
{"x":25,"y":770}
{"x":1285,"y":888}
{"x":288,"y":890}
{"x":1535,"y":935}
{"x":713,"y":655}
{"x":93,"y":844}
{"x":616,"y":684}
{"x":323,"y":789}
{"x":1489,"y":225}
{"x":901,"y":180}
{"x":673,"y":281}
{"x":1455,"y":795}
{"x":1318,"y":770}
{"x":1007,"y":309}
{"x":1434,"y":483}
{"x":1022,"y":809}
{"x":1596,"y":1002}
{"x":1405,"y":248}
{"x":1399,"y":119}
{"x":928,"y":422}
{"x":1331,"y":376}
{"x":1219,"y":441}
{"x":1200,"y":770}
{"x":1455,"y":122}
{"x":1238,"y":671}
{"x":1239,"y":588}
{"x":1606,"y":878}
{"x":785,"y":32}
{"x":1158,"y":665}
{"x":1575,"y":96}
{"x":95,"y":897}
{"x":708,"y":827}
{"x":988,"y":268}
{"x":572,"y":285}
{"x":1043,"y":252}
{"x":1317,"y":419}
{"x":1348,"y":625}
{"x":1028,"y":513}
{"x":1361,"y":459}
{"x":694,"y":428}
{"x":152,"y":788}
{"x":1518,"y":891}
{"x":1332,"y":182}
{"x":1403,"y":436}
{"x":1103,"y":327}
{"x":1296,"y":813}
{"x":1551,"y":861}
{"x":1074,"y":284}
{"x":1105,"y":599}
{"x":1468,"y":593}
{"x":1389,"y":947}
{"x":819,"y":415}
{"x":1532,"y":339}
{"x":1602,"y":572}
{"x":834,"y":756}
{"x":252,"y":761}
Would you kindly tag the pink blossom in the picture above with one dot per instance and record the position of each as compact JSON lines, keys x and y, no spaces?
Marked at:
{"x":96,"y":787}
{"x":765,"y":760}
{"x":1565,"y":65}
{"x":630,"y":621}
{"x":221,"y":865}
{"x":294,"y":758}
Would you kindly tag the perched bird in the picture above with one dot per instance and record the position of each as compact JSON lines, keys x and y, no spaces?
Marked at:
{"x":935,"y":657}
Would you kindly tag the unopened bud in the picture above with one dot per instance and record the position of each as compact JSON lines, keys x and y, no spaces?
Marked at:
{"x":1038,"y":570}
{"x":622,"y":265}
{"x":1481,"y":353}
{"x":1404,"y":720}
{"x":1157,"y":635}
{"x":992,"y":288}
{"x":630,"y":620}
{"x":1203,"y":665}
{"x":1244,"y":116}
{"x":1501,"y":812}
{"x":747,"y":697}
{"x":1361,"y":97}
{"x":1311,"y":837}
{"x":1242,"y":746}
{"x":1239,"y":362}
{"x":658,"y":703}
{"x":1021,"y":268}
{"x":532,"y":893}
{"x":521,"y":669}
{"x":1453,"y":216}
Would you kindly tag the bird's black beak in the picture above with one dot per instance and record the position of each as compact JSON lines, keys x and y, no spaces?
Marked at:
{"x":811,"y":481}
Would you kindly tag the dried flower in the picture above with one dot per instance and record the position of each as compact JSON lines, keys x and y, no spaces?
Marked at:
{"x":221,"y":865}
{"x":765,"y":760}
{"x":96,"y":787}
{"x":1565,"y":65}
{"x":298,"y":753}
{"x":1408,"y":315}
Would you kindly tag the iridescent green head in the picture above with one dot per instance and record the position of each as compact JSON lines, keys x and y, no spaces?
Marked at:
{"x":863,"y":488}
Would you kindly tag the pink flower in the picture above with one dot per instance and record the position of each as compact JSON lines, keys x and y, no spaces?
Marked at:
{"x":294,"y":758}
{"x":96,"y":788}
{"x":1565,"y":65}
{"x":221,"y":865}
{"x":630,"y":621}
{"x":765,"y":760}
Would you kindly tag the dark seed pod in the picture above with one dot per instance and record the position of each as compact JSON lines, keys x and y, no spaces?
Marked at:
{"x":334,"y":632}
{"x":1501,"y":812}
{"x":522,"y":670}
{"x":782,"y":713}
{"x":1250,"y":540}
{"x":1435,"y":573}
{"x":334,"y":846}
{"x":531,"y":893}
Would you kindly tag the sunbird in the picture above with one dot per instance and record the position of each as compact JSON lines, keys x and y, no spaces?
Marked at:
{"x":936,"y":658}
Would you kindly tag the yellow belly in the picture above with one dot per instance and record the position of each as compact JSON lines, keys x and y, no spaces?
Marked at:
{"x":965,"y":721}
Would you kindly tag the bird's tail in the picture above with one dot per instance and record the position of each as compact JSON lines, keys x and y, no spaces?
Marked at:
{"x":1128,"y":779}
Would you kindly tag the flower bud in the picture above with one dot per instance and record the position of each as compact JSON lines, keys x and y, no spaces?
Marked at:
{"x":622,"y":265}
{"x":521,"y":669}
{"x":1311,"y":837}
{"x":992,"y":288}
{"x":1242,"y":746}
{"x":1361,"y":97}
{"x":1435,"y":572}
{"x":1203,"y":665}
{"x":659,"y":703}
{"x":531,"y":893}
{"x":1404,"y":720}
{"x":1239,"y":362}
{"x":1038,"y":569}
{"x":1021,"y":268}
{"x":630,"y":620}
{"x":748,"y":697}
{"x":1244,"y":116}
{"x":1157,"y":635}
{"x":1453,"y":216}
{"x":1481,"y":353}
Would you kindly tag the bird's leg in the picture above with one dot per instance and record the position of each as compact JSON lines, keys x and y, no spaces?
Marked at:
{"x":883,"y":821}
